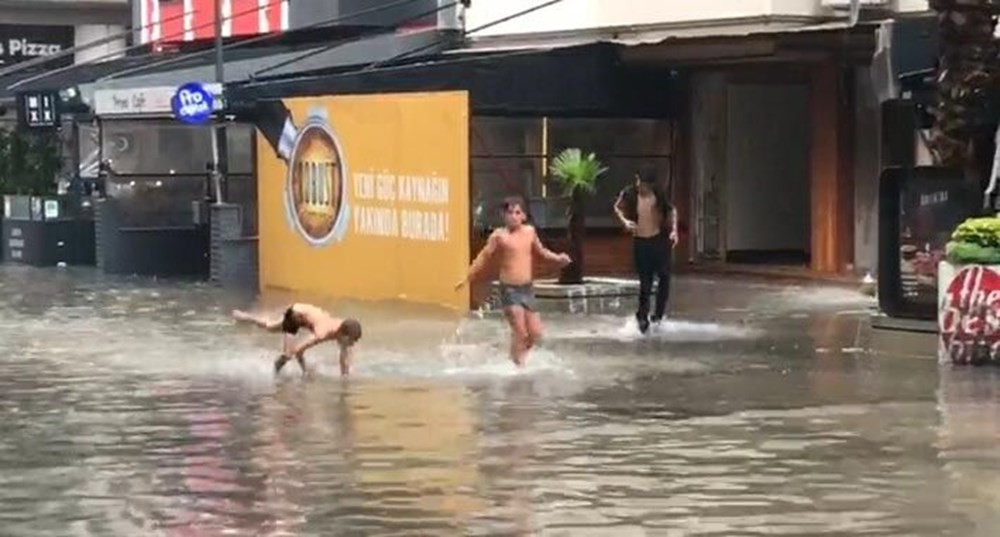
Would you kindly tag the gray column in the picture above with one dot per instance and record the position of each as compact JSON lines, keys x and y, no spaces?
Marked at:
{"x":233,"y":261}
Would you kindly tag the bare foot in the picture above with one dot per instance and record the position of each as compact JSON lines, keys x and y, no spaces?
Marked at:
{"x":240,"y":315}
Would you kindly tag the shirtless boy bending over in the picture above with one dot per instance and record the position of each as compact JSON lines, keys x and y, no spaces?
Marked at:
{"x":322,"y":326}
{"x":515,"y":244}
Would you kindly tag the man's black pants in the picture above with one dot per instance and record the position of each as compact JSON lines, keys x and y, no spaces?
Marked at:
{"x":652,"y":259}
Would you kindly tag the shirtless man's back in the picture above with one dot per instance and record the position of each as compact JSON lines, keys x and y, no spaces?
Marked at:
{"x":321,"y":325}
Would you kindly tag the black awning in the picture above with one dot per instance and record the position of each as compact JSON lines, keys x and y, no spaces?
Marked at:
{"x":76,"y":75}
{"x":587,"y":80}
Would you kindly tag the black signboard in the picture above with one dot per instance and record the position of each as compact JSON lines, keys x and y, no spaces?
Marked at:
{"x":21,"y":42}
{"x":39,"y":109}
{"x":918,"y":210}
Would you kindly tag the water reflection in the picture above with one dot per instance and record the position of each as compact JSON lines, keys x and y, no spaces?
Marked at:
{"x":132,"y":407}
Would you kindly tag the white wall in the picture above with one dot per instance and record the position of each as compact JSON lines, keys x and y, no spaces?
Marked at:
{"x":708,"y":162}
{"x":767,"y":168}
{"x":911,"y":5}
{"x":589,"y":14}
{"x":88,"y":33}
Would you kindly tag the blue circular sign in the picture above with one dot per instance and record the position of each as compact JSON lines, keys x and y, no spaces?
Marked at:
{"x":193,"y":103}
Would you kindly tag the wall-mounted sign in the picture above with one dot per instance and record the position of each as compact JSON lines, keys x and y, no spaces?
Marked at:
{"x":39,"y":109}
{"x":151,"y":101}
{"x":192,"y":104}
{"x":19,"y":42}
{"x":192,"y":20}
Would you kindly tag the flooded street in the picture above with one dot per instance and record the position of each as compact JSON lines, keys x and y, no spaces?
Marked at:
{"x":134,"y":407}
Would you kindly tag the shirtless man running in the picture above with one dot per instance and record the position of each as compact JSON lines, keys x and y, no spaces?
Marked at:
{"x":324,"y":327}
{"x":515,"y":244}
{"x":645,"y":212}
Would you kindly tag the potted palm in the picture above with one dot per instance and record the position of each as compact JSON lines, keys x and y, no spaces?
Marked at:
{"x":577,"y":173}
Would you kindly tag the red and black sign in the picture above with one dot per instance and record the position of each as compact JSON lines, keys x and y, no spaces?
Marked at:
{"x":969,"y":318}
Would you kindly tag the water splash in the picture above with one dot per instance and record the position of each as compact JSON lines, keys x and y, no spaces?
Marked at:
{"x":613,"y":328}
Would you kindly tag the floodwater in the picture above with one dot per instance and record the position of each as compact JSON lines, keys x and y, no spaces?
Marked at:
{"x":134,"y":407}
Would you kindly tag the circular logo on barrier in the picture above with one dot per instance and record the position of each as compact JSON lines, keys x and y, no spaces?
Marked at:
{"x":192,"y":103}
{"x":315,"y":190}
{"x":969,"y":317}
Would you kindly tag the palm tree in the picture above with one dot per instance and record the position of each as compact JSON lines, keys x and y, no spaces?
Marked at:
{"x":578,"y":174}
{"x":965,"y":117}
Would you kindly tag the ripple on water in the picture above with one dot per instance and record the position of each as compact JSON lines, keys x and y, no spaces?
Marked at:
{"x":131,"y":408}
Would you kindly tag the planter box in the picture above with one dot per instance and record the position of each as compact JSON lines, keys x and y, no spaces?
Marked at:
{"x":968,"y":314}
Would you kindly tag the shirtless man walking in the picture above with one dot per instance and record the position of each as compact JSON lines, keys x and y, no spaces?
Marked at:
{"x":515,"y":244}
{"x":644,"y":211}
{"x":321,"y":325}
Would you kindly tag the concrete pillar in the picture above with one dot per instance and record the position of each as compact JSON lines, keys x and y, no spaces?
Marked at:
{"x":233,"y":257}
{"x":89,"y":33}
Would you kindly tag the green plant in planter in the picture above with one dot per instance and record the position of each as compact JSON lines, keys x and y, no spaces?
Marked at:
{"x":975,"y":241}
{"x":29,"y":163}
{"x":578,"y":176}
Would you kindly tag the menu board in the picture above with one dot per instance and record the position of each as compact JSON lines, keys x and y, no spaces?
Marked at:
{"x":918,"y":211}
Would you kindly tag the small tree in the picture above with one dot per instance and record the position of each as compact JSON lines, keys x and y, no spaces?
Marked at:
{"x":578,"y":175}
{"x":29,"y":163}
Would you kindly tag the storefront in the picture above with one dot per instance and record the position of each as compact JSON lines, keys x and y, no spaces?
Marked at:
{"x":525,"y":107}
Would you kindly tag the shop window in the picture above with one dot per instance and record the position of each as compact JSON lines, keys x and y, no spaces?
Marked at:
{"x":88,"y":145}
{"x":511,"y":156}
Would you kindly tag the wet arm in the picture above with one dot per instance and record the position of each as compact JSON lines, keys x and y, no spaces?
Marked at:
{"x":484,"y":256}
{"x":618,"y":209}
{"x":346,"y":358}
{"x":547,"y":254}
{"x":302,"y":347}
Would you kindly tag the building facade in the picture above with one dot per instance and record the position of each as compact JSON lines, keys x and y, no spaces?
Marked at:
{"x":64,"y":24}
{"x":777,"y":152}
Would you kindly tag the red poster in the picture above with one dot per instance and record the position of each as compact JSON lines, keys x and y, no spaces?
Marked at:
{"x":246,"y":18}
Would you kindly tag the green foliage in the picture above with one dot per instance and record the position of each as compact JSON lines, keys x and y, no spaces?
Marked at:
{"x":975,"y":241}
{"x":964,"y":253}
{"x":575,"y":171}
{"x":29,"y":162}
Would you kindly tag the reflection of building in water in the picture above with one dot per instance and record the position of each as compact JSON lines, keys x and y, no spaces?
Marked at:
{"x":427,"y":445}
{"x":276,"y":462}
{"x":968,"y":437}
{"x":311,"y":443}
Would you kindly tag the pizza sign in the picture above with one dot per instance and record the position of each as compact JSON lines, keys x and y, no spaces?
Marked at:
{"x":969,"y":316}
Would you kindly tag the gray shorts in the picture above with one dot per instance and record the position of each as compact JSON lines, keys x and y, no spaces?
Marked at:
{"x":517,"y":295}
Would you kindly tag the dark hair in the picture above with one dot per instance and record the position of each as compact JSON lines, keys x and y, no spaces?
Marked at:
{"x":647,"y":178}
{"x":517,"y":201}
{"x":351,"y":328}
{"x":514,"y":201}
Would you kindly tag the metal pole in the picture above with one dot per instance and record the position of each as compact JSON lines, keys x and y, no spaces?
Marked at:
{"x":219,"y":145}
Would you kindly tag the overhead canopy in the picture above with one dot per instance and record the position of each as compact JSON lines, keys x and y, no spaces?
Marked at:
{"x":660,"y":34}
{"x":243,"y":65}
{"x":72,"y":76}
{"x":585,"y":80}
{"x":751,"y":39}
{"x":240,"y":64}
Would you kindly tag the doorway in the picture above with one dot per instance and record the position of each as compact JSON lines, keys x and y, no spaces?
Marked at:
{"x":766,"y":217}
